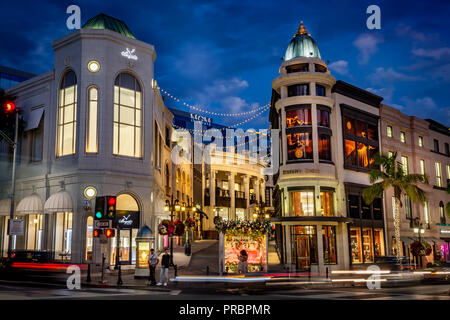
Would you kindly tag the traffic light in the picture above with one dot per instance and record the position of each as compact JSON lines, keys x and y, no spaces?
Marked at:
{"x":99,"y":208}
{"x":109,"y":233}
{"x":97,"y":232}
{"x":9,"y":107}
{"x":111,"y":209}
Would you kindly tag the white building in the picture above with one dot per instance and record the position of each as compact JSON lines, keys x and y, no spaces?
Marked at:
{"x":90,"y":122}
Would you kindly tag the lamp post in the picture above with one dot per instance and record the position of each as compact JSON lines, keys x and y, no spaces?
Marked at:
{"x":418,"y":228}
{"x":190,"y":207}
{"x":172,"y":206}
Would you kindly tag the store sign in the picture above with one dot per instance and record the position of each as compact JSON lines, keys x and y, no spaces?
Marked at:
{"x":127,"y":219}
{"x":102,"y":224}
{"x":197,"y":117}
{"x":129,"y":54}
{"x":445,"y":231}
{"x":16,"y":227}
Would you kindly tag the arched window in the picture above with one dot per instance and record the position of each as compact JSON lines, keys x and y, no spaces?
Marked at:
{"x":442,"y":212}
{"x":89,"y":238}
{"x":67,"y":115}
{"x":127,"y":135}
{"x":91,"y":123}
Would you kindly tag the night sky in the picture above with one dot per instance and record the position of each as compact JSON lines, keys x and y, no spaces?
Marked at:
{"x":222,"y":55}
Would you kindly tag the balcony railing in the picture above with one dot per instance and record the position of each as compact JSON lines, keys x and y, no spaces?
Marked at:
{"x":223,"y":198}
{"x":252,"y":198}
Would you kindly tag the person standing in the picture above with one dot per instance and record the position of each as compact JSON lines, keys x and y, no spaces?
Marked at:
{"x":152,"y":263}
{"x":243,"y":264}
{"x":165,"y":263}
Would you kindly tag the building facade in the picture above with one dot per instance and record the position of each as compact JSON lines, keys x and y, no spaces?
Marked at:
{"x":92,"y":124}
{"x":422,"y":147}
{"x":329,"y":136}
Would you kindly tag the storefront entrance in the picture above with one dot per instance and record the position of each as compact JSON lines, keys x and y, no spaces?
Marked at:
{"x":302,"y":250}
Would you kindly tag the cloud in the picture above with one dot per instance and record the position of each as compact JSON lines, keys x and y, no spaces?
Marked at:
{"x":367,"y":44}
{"x":437,"y":53}
{"x":406,"y":31}
{"x":340,"y":67}
{"x":382,"y":75}
{"x":427,"y":108}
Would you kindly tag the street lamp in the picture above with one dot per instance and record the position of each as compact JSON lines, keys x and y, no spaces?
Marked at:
{"x":261,"y":211}
{"x":172,"y":206}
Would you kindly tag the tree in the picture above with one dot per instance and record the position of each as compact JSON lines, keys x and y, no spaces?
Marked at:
{"x":392,"y":175}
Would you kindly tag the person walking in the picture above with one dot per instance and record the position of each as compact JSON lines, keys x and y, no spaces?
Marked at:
{"x":152,"y":263}
{"x":243,"y":264}
{"x":165,"y":263}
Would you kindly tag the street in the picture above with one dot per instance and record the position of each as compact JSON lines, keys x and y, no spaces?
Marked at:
{"x":197,"y":291}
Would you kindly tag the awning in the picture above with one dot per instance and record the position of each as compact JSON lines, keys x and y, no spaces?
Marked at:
{"x":34,"y":119}
{"x":59,"y":202}
{"x":5,"y":207}
{"x":30,"y":205}
{"x":407,"y":240}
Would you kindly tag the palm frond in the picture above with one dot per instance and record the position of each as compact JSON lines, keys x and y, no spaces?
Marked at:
{"x":371,"y":193}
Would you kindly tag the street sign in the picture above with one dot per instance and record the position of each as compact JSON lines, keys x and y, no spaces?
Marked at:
{"x":15,"y":227}
{"x":99,"y":224}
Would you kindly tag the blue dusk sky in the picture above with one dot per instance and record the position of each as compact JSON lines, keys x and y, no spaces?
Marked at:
{"x":222,"y":55}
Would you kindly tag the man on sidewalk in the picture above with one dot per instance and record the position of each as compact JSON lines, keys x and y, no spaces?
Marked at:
{"x":152,"y":263}
{"x":165,"y":263}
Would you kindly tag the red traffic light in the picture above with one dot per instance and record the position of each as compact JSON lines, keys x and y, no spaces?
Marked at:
{"x":112,"y":201}
{"x":10,"y":106}
{"x":97,"y":233}
{"x":110,"y":233}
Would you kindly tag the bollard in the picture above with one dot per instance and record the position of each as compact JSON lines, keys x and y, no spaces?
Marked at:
{"x":103,"y":268}
{"x":175,"y":267}
{"x":119,"y":277}
{"x":89,"y":273}
{"x":326,"y":272}
{"x":207,"y":270}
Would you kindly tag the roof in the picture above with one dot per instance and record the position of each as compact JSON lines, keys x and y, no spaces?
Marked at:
{"x":302,"y":45}
{"x":16,"y":73}
{"x":438,"y":127}
{"x":356,"y":93}
{"x":103,"y":21}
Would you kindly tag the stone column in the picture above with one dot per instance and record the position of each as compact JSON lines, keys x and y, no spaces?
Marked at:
{"x":315,"y":134}
{"x":245,"y":178}
{"x":256,"y":187}
{"x":263,"y":189}
{"x":320,"y":249}
{"x":232,"y":210}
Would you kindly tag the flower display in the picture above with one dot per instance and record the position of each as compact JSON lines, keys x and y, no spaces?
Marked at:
{"x":178,"y":227}
{"x":189,"y":223}
{"x":421,"y":248}
{"x":234,"y":227}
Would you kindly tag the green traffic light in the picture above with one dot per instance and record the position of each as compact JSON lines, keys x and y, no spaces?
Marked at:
{"x":98,"y":214}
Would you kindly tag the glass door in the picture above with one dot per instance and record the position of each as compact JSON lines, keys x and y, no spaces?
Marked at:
{"x":302,"y":251}
{"x":125,"y":246}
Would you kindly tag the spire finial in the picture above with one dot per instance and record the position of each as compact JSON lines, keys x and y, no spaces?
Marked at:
{"x":302,"y":30}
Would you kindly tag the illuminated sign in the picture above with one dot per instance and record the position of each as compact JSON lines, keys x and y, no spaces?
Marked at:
{"x":129,"y":54}
{"x":201,"y":118}
{"x":127,"y":219}
{"x":445,"y":231}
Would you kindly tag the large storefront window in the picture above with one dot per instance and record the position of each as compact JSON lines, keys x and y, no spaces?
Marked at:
{"x":324,"y":147}
{"x":302,"y":203}
{"x":378,"y":242}
{"x":35,"y":232}
{"x":297,"y":117}
{"x":360,"y":140}
{"x":329,"y":244}
{"x":89,"y":238}
{"x":299,"y":146}
{"x":127,"y":116}
{"x":223,"y":213}
{"x":355,"y":243}
{"x":67,"y":115}
{"x":63,"y":235}
{"x":367,"y":245}
{"x":304,"y":246}
{"x":326,"y":201}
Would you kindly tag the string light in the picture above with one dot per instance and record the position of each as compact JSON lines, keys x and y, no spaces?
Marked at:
{"x":238,"y":114}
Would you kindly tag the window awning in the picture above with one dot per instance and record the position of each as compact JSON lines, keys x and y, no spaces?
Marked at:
{"x":30,"y":205}
{"x":59,"y":202}
{"x":34,"y":119}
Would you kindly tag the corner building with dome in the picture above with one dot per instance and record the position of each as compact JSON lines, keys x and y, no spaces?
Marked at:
{"x":328,"y":138}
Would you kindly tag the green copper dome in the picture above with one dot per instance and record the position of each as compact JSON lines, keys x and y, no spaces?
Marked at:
{"x":302,"y":45}
{"x":103,"y":21}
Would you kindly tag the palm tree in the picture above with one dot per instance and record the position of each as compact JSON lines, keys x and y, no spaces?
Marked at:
{"x":392,"y":175}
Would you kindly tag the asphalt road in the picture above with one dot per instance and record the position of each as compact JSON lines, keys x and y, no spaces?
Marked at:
{"x":197,"y":291}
